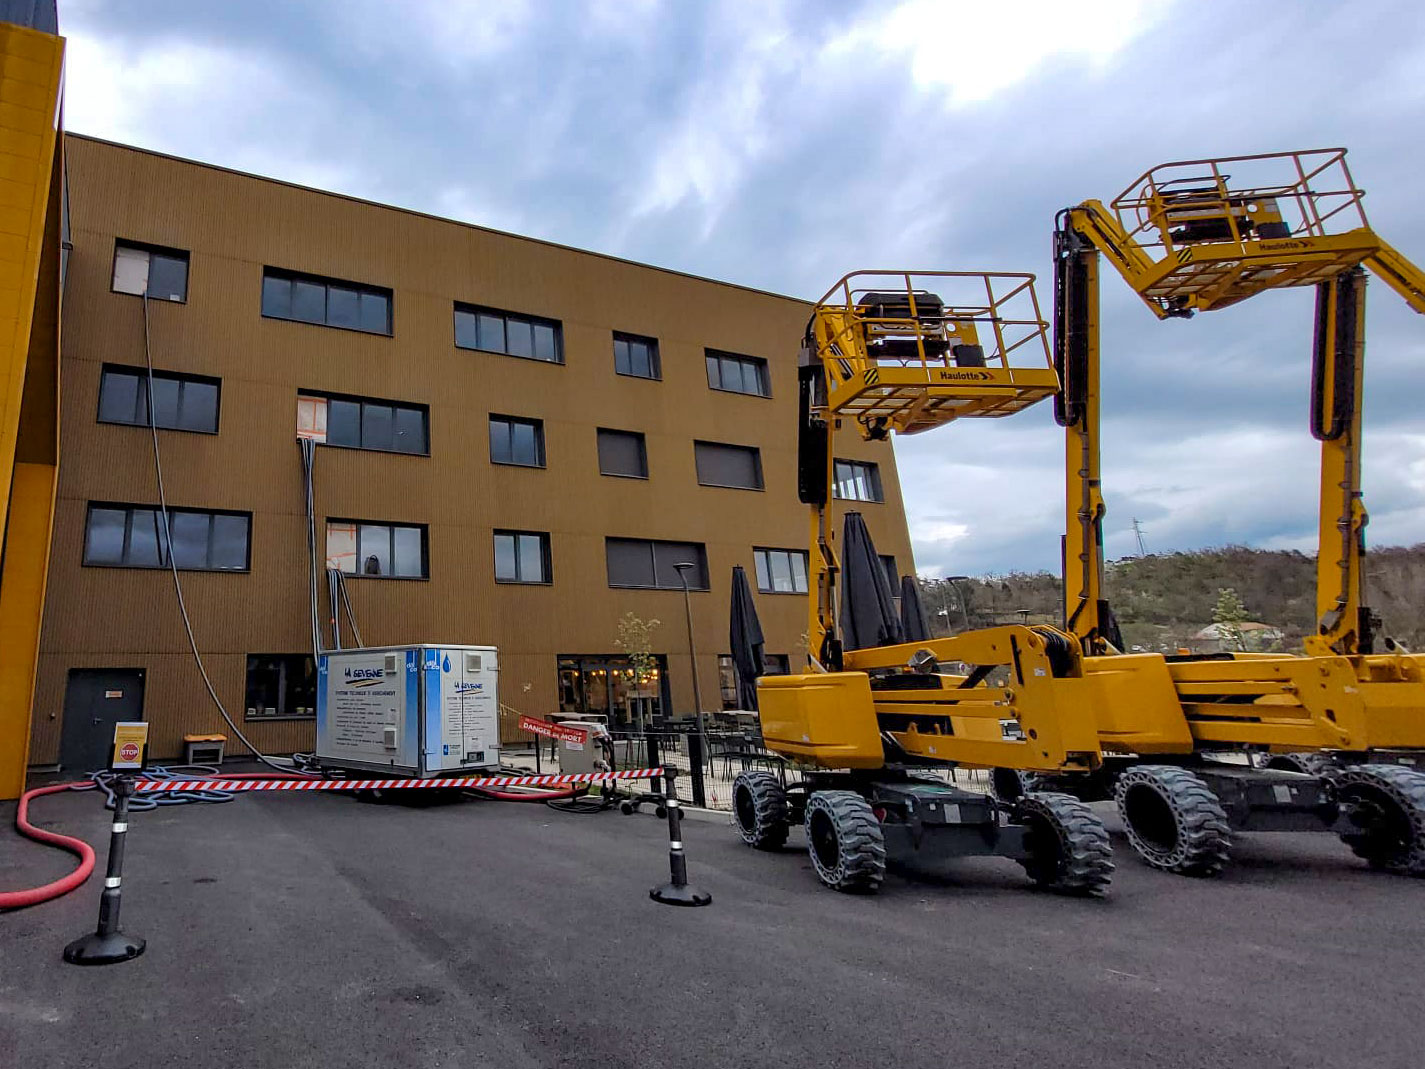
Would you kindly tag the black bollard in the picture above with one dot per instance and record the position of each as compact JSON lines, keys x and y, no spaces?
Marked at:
{"x":676,"y":891}
{"x":108,"y":944}
{"x":696,"y":757}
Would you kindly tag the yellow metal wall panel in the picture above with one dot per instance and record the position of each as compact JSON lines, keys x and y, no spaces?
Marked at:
{"x":30,"y":77}
{"x":233,"y":225}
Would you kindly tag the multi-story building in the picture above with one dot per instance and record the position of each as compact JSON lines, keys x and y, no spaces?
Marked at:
{"x":517,"y":441}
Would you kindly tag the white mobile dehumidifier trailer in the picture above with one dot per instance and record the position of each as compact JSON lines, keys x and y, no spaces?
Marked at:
{"x":409,"y":711}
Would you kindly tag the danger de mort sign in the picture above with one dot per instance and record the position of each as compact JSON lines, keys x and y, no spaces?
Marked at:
{"x":553,"y":731}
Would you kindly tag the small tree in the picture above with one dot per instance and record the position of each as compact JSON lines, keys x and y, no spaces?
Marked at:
{"x":1229,"y":614}
{"x":635,"y":638}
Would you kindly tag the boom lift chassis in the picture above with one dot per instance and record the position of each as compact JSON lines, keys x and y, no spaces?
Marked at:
{"x":883,"y":354}
{"x":1188,"y":238}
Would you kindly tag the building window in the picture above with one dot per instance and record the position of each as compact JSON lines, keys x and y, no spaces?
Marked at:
{"x":622,"y":453}
{"x":180,"y":402}
{"x":363,"y":423}
{"x":516,"y":441}
{"x":281,"y":686}
{"x":493,"y":331}
{"x":773,"y":664}
{"x":394,"y":551}
{"x":738,"y":374}
{"x":892,"y":576}
{"x":327,"y":302}
{"x":727,"y":680}
{"x":522,"y":557}
{"x":857,"y":480}
{"x":637,"y":356}
{"x":133,"y":536}
{"x":162,"y":273}
{"x":781,"y":571}
{"x":735,"y":466}
{"x":649,"y":565}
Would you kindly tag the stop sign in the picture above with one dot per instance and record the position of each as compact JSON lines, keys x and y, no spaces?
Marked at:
{"x":129,"y":751}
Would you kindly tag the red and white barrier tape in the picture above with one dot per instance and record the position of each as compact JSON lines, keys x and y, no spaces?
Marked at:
{"x":158,"y":785}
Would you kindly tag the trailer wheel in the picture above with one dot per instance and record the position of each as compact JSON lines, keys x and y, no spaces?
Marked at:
{"x":845,"y":842}
{"x":1173,"y":820}
{"x":1067,"y":844}
{"x":1385,"y":807}
{"x":759,"y":805}
{"x":1313,"y":763}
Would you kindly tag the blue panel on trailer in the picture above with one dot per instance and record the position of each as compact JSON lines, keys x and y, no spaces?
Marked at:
{"x":321,"y":704}
{"x":432,"y":706}
{"x":413,"y":700}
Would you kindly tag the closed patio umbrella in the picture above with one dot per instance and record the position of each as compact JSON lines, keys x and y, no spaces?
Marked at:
{"x":745,"y":638}
{"x":913,"y":622}
{"x":868,"y":608}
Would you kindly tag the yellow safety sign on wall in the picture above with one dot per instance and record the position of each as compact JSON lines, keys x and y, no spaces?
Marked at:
{"x":130,"y":738}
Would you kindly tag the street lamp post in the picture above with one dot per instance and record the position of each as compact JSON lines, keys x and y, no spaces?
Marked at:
{"x":682,"y":568}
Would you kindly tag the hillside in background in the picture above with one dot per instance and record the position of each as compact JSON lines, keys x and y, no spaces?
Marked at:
{"x":1164,"y":600}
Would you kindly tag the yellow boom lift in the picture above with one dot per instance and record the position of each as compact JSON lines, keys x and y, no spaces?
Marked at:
{"x":906,"y":352}
{"x":1344,"y":722}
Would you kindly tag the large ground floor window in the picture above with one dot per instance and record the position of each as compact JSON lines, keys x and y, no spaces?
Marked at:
{"x":281,"y":686}
{"x":603,"y":684}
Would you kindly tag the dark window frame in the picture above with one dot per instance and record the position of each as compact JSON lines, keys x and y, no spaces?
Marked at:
{"x":153,"y":250}
{"x":327,"y":282}
{"x":693,"y":584}
{"x":770,"y":588}
{"x":129,"y":508}
{"x":546,"y":556}
{"x":642,"y":451}
{"x":539,"y":445}
{"x":410,"y":406}
{"x":424,"y":529}
{"x":477,"y":310}
{"x":655,"y":358}
{"x":888,"y":566}
{"x":873,"y":472}
{"x":141,"y":373}
{"x":764,"y":372}
{"x":756,"y":464}
{"x":247,"y":687}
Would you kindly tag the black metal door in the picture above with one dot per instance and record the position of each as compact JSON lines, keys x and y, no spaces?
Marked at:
{"x":96,"y":699}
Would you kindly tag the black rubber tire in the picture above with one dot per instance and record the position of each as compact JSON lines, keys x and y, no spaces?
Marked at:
{"x":628,"y":809}
{"x":1387,"y":803}
{"x":1011,"y":784}
{"x":1313,"y":763}
{"x":1173,"y":820}
{"x":759,"y":808}
{"x":1069,"y":849}
{"x":845,"y":842}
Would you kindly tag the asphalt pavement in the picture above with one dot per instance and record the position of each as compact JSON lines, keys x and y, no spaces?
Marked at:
{"x":312,"y":930}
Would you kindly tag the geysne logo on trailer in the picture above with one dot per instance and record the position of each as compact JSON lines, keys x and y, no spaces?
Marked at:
{"x":364,"y":677}
{"x":463,"y":687}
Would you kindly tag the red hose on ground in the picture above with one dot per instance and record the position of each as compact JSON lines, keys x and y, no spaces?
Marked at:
{"x":533,"y":796}
{"x":35,"y":895}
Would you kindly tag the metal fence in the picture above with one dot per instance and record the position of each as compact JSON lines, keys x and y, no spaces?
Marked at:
{"x":705,"y":777}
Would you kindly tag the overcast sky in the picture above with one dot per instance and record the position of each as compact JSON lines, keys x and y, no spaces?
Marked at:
{"x":781,"y":144}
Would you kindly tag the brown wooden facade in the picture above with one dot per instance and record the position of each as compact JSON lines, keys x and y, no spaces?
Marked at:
{"x":235,"y":225}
